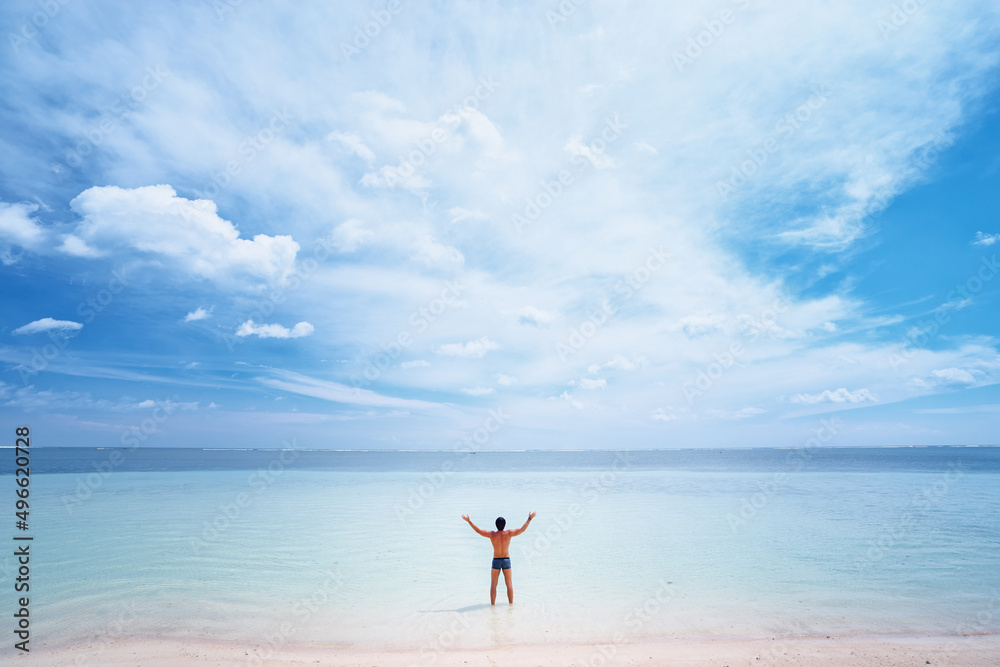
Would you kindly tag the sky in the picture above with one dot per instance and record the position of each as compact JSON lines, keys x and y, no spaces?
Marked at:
{"x":547,"y":225}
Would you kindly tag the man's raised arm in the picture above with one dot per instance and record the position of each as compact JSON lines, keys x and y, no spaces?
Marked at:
{"x":524,"y":527}
{"x":474,"y":526}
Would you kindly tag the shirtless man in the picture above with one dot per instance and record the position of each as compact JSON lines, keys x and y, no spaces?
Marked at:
{"x":501,"y":553}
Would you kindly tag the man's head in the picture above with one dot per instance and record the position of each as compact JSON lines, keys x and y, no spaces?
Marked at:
{"x":501,"y":522}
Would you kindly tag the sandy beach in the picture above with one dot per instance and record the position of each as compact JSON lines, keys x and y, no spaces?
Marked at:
{"x":881,"y":651}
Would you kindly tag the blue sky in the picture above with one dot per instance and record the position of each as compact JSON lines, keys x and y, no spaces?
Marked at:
{"x":609,"y":225}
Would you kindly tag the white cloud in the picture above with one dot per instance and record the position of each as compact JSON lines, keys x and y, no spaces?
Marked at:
{"x":248,"y":328}
{"x":830,"y":232}
{"x":350,"y":235}
{"x":353,"y":143}
{"x":532,"y":316}
{"x":152,"y":221}
{"x":77,"y":247}
{"x":47,"y":324}
{"x":700,"y":324}
{"x":587,"y":383}
{"x":957,"y":304}
{"x":661,"y":415}
{"x":479,"y":391}
{"x":418,"y":363}
{"x":595,"y":156}
{"x":390,"y":176}
{"x":985,"y":239}
{"x":841,"y":395}
{"x":473,"y":349}
{"x":339,"y":393}
{"x":505,"y":380}
{"x":954,"y":377}
{"x":458,"y":214}
{"x":428,"y":250}
{"x":199,"y":314}
{"x":643,"y":147}
{"x":828,"y":326}
{"x":573,"y":403}
{"x":743,"y":413}
{"x":621,"y":363}
{"x":18,"y":228}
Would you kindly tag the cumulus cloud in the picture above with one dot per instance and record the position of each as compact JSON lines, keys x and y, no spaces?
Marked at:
{"x":532,"y":316}
{"x":985,"y":239}
{"x":473,"y":349}
{"x":18,"y":228}
{"x":841,"y":395}
{"x":152,"y":221}
{"x":505,"y":380}
{"x":662,"y":415}
{"x":419,"y":363}
{"x":199,"y":314}
{"x":248,"y":328}
{"x":353,"y":143}
{"x":588,"y":383}
{"x":479,"y":391}
{"x":47,"y":324}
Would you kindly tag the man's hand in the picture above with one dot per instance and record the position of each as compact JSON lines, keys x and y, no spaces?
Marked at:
{"x":531,"y":515}
{"x":466,"y":517}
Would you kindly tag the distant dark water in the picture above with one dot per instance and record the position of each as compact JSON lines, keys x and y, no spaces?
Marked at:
{"x":822,"y":459}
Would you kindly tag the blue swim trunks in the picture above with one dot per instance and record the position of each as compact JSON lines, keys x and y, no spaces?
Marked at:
{"x":501,"y":563}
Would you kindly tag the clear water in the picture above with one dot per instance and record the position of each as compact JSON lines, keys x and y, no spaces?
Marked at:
{"x":352,"y":549}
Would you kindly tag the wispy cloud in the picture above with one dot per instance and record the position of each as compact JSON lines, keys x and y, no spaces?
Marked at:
{"x":985,"y":239}
{"x":339,"y":393}
{"x":47,"y":324}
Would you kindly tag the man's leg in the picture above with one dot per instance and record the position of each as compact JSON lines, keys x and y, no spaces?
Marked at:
{"x":510,"y":585}
{"x":493,"y":585}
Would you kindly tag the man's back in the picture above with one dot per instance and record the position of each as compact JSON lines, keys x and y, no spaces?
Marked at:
{"x":501,"y":543}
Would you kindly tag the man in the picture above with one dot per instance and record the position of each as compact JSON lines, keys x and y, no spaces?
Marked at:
{"x":501,"y":553}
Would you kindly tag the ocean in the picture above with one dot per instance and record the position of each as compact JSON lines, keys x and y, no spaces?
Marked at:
{"x":274,"y":547}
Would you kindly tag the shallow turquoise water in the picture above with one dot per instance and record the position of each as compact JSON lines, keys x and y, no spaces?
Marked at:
{"x":384,"y":557}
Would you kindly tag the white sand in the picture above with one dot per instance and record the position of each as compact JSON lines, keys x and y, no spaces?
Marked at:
{"x":818,"y":651}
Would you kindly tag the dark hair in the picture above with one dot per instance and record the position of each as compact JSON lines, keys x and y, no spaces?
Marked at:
{"x":501,"y":522}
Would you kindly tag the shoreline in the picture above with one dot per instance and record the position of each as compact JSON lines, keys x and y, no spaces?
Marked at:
{"x":872,"y":650}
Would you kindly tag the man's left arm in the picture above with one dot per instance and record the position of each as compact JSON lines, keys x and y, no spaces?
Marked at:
{"x":524,"y":527}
